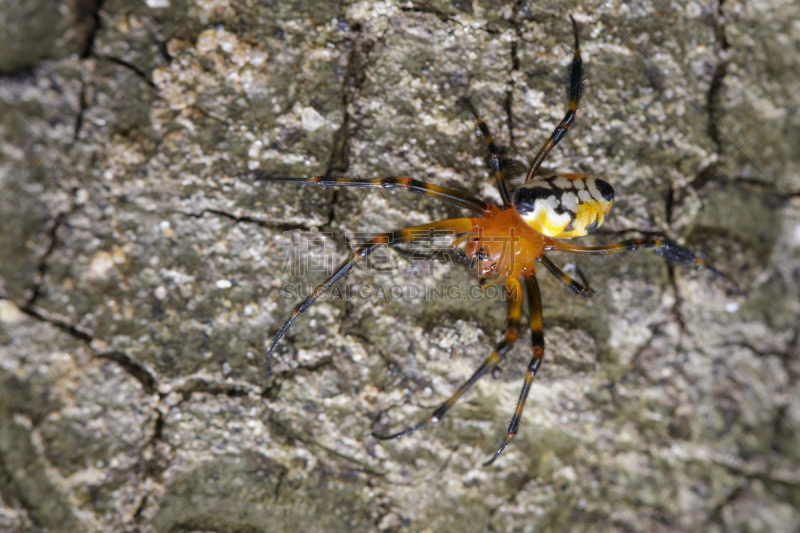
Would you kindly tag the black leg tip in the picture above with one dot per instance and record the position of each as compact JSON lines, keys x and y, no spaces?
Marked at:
{"x":497,"y":454}
{"x":585,"y":292}
{"x":384,"y":437}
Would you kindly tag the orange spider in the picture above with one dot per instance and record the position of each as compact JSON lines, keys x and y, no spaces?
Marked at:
{"x":508,"y":243}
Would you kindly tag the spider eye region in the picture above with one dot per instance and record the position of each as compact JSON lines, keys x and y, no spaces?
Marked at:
{"x":564,"y":206}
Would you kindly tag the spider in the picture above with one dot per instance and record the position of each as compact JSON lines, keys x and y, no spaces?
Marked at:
{"x":507,"y":244}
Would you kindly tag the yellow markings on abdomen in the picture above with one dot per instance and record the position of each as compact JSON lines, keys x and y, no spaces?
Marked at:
{"x":564,"y":206}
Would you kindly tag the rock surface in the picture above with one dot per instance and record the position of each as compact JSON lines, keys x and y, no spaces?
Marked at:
{"x":144,"y":268}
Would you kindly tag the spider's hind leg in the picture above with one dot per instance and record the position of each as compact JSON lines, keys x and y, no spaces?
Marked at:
{"x":664,"y":247}
{"x":494,"y":155}
{"x":575,"y":85}
{"x":577,"y":288}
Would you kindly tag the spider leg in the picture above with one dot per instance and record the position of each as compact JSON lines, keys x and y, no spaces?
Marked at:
{"x":575,"y":78}
{"x":462,"y":256}
{"x":485,"y":283}
{"x":451,"y":196}
{"x":442,"y":227}
{"x":494,"y":156}
{"x":514,"y":296}
{"x":577,"y":288}
{"x":537,"y":342}
{"x":663,"y":247}
{"x":457,"y":242}
{"x":445,"y":256}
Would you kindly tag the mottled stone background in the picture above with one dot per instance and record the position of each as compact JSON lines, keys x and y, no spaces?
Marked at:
{"x":142,"y":266}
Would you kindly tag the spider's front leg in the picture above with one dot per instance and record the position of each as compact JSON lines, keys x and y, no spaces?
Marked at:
{"x":421,"y":188}
{"x":537,"y":343}
{"x":442,"y":227}
{"x":514,"y":297}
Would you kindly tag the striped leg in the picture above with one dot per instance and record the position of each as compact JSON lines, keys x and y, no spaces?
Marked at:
{"x":577,"y":288}
{"x":537,"y":342}
{"x":514,"y":296}
{"x":663,"y":247}
{"x":494,"y":156}
{"x":443,"y":227}
{"x":452,"y":196}
{"x":575,"y":76}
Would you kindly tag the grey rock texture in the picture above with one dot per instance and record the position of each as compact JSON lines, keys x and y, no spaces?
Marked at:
{"x":142,"y":268}
{"x":35,"y":30}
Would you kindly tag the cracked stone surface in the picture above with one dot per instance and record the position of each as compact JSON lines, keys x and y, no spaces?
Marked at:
{"x":144,"y":267}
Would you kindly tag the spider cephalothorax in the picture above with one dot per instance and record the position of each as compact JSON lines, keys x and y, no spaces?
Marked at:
{"x":507,"y":244}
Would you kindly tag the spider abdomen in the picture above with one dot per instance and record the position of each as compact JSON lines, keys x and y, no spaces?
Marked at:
{"x":564,"y":206}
